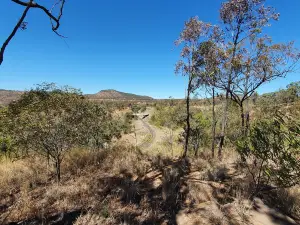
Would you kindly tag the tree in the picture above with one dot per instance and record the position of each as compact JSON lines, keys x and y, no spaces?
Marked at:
{"x":5,"y":138}
{"x":22,"y":24}
{"x":51,"y":121}
{"x":239,"y":56}
{"x":293,"y":91}
{"x":99,"y":127}
{"x":209,"y":60}
{"x":48,"y":120}
{"x":253,"y":59}
{"x":187,"y":66}
{"x":135,"y":108}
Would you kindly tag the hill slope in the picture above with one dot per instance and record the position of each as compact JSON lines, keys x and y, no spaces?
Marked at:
{"x":117,"y":95}
{"x":7,"y":96}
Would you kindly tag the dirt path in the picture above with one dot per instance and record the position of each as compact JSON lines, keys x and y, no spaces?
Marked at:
{"x":151,"y":138}
{"x":147,"y":143}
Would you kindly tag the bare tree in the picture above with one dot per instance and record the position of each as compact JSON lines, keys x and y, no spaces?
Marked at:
{"x":22,"y":24}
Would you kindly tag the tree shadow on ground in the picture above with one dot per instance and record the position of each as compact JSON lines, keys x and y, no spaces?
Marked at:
{"x":281,"y":200}
{"x":64,"y":218}
{"x":163,"y":200}
{"x":276,"y":204}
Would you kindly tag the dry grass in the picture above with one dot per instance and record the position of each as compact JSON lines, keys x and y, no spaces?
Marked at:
{"x":28,"y":188}
{"x":93,"y":219}
{"x":285,"y":200}
{"x":124,"y":186}
{"x":22,"y":175}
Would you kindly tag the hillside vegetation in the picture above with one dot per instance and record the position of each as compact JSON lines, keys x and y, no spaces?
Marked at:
{"x":106,"y":181}
{"x":118,"y":158}
{"x":8,"y":96}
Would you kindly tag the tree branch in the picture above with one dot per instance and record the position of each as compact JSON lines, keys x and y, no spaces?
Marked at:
{"x":32,"y":4}
{"x":6,"y":42}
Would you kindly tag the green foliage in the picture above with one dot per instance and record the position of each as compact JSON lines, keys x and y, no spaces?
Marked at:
{"x":143,"y":108}
{"x":234,"y":122}
{"x":294,"y":89}
{"x":135,"y":108}
{"x":168,"y":116}
{"x":285,"y":96}
{"x":7,"y":142}
{"x":198,"y":131}
{"x":6,"y":146}
{"x":274,"y":147}
{"x":127,"y":125}
{"x":51,"y":120}
{"x":291,"y":94}
{"x":98,"y":126}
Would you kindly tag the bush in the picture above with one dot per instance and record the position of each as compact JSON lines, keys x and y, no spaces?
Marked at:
{"x":169,"y":116}
{"x":272,"y":152}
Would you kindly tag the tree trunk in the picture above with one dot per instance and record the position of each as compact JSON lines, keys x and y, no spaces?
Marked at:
{"x":242,"y":117}
{"x":196,"y":150}
{"x":246,"y":115}
{"x":188,"y":126}
{"x":224,"y":120}
{"x":247,"y":121}
{"x":197,"y":144}
{"x":172,"y":142}
{"x":224,"y":124}
{"x":57,"y":167}
{"x":213,"y":124}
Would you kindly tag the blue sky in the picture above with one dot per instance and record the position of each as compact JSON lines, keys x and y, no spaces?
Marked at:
{"x":116,"y":44}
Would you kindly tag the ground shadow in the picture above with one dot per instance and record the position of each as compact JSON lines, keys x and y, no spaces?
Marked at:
{"x":65,"y":218}
{"x":163,"y":200}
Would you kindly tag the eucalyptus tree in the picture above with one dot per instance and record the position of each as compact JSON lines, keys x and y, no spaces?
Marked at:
{"x":253,"y":58}
{"x":209,"y":59}
{"x":272,"y":150}
{"x":237,"y":53}
{"x":190,"y":38}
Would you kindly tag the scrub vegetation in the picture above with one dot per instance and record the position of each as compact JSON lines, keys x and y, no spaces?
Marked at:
{"x":231,"y":158}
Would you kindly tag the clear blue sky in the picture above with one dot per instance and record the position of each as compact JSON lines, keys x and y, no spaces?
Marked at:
{"x":116,"y":44}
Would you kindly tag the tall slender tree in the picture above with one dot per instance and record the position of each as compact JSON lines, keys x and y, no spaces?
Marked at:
{"x":190,"y":38}
{"x":210,"y":55}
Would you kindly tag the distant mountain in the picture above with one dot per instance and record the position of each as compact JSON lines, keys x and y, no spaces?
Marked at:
{"x":7,"y":96}
{"x":116,"y":95}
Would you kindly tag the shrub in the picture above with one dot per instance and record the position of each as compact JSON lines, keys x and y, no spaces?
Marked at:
{"x":272,"y":152}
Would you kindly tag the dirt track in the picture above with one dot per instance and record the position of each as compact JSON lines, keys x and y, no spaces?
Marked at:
{"x":147,"y":144}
